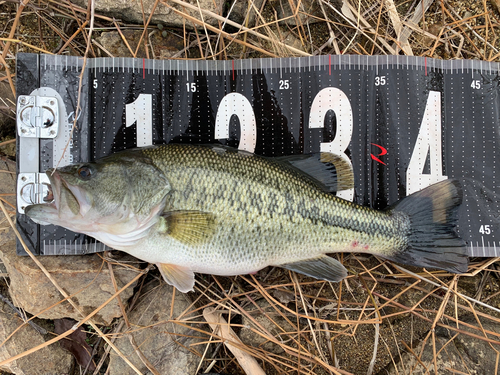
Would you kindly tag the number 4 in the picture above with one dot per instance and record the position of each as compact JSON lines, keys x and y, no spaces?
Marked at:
{"x":428,"y":143}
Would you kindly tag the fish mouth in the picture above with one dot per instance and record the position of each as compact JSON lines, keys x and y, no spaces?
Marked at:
{"x":53,"y":196}
{"x":60,"y":200}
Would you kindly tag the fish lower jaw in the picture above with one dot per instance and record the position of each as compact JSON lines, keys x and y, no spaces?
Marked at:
{"x":124,"y":242}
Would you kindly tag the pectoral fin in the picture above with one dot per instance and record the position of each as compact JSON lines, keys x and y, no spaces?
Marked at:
{"x":323,"y":268}
{"x":180,"y":277}
{"x":189,"y":227}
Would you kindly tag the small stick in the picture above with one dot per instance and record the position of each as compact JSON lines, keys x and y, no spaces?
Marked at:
{"x":219,"y":325}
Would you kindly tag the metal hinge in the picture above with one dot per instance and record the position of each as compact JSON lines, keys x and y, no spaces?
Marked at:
{"x":37,"y":118}
{"x":32,"y":188}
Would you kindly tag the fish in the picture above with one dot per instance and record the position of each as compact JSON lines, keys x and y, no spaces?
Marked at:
{"x":216,"y":210}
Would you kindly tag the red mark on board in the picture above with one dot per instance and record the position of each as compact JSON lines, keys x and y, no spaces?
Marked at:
{"x":425,"y":65}
{"x":143,"y":68}
{"x":329,"y":64}
{"x":383,"y":151}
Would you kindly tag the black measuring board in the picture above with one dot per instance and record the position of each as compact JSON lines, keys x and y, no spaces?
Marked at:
{"x":401,"y":123}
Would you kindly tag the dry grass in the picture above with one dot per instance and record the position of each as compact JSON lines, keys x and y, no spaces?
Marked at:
{"x":304,"y":326}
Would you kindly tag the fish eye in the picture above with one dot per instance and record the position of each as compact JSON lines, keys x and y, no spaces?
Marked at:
{"x":84,"y":173}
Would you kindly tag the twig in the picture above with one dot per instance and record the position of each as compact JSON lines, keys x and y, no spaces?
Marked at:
{"x":231,"y":340}
{"x":138,"y":351}
{"x":73,"y":304}
{"x":41,"y":330}
{"x":446,"y":289}
{"x":232,"y":23}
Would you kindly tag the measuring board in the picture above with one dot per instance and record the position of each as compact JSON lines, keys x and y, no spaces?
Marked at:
{"x":401,"y":123}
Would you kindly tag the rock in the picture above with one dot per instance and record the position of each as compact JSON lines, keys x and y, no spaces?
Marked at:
{"x":464,"y":354}
{"x":86,"y":276}
{"x":114,"y":44}
{"x":163,"y":44}
{"x":307,"y":7}
{"x":49,"y":360}
{"x":272,"y":321}
{"x":496,"y":4}
{"x":240,"y":12}
{"x":7,"y":119}
{"x":155,"y":336}
{"x":132,"y":11}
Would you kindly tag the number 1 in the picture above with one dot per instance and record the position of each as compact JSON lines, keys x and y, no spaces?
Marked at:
{"x":140,"y":112}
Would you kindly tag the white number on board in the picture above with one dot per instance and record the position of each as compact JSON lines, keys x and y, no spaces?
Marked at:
{"x":428,"y":143}
{"x":141,"y":112}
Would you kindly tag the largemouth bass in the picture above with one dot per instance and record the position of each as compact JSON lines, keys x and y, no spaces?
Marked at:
{"x":216,"y":210}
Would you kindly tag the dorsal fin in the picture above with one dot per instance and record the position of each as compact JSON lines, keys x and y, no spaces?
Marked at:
{"x":328,"y":171}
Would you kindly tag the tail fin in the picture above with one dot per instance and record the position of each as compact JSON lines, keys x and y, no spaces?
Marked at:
{"x":433,"y":241}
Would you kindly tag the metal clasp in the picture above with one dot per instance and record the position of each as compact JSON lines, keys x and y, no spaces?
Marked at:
{"x":32,"y":188}
{"x":37,"y":116}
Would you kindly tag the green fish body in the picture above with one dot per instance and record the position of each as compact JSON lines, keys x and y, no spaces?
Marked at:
{"x":216,"y":210}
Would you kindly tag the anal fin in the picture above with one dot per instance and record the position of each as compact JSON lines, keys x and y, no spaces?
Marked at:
{"x":180,"y":277}
{"x":323,"y":268}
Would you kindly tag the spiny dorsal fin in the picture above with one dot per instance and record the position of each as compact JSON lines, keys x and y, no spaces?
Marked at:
{"x":330,"y":172}
{"x":189,"y":227}
{"x":180,"y":277}
{"x":323,"y":268}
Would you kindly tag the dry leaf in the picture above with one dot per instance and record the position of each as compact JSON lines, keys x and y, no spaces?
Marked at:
{"x":75,"y":343}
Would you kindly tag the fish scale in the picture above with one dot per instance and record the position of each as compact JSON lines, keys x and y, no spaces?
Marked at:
{"x":297,"y":204}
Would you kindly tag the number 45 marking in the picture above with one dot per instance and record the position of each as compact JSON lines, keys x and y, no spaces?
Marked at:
{"x":485,"y":229}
